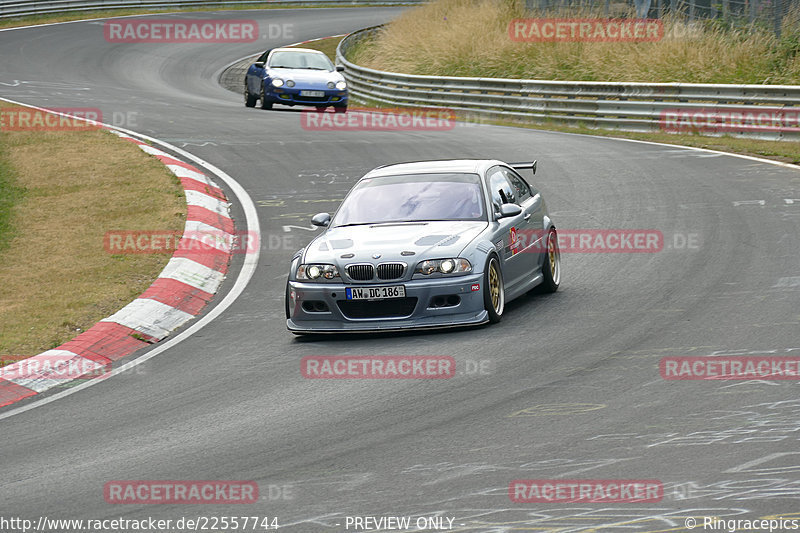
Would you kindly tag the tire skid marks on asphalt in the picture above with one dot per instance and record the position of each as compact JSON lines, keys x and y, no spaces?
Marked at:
{"x":182,"y":289}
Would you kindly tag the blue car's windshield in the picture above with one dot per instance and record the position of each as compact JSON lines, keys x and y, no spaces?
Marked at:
{"x":303,"y":60}
{"x":413,"y":198}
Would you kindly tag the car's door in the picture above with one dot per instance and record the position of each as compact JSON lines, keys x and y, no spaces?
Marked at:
{"x":516,"y":266}
{"x":531,"y":238}
{"x":255,"y":74}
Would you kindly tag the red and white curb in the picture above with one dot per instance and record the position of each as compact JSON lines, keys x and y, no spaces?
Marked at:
{"x":184,"y":287}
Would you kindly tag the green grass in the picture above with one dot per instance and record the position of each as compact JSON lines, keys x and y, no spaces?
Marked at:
{"x":10,"y":195}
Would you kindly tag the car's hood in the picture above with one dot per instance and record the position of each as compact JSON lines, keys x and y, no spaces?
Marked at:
{"x":427,"y":240}
{"x":301,"y":75}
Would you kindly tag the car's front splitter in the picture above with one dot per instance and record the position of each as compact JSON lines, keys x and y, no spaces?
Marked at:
{"x":366,"y":326}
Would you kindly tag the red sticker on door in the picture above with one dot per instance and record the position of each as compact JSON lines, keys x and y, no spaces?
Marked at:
{"x":513,"y":240}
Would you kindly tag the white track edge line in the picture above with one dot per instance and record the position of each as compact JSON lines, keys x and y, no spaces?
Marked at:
{"x":655,"y":143}
{"x":243,"y":278}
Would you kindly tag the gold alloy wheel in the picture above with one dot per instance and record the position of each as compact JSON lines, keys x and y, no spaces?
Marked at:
{"x":494,"y":286}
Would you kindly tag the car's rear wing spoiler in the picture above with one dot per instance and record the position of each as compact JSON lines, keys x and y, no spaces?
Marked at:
{"x":524,"y":166}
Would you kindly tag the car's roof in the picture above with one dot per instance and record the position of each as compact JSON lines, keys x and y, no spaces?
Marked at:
{"x":296,"y":50}
{"x":471,"y":166}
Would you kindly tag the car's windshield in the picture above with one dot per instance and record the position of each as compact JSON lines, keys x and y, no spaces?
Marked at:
{"x":304,"y":60}
{"x":412,"y":198}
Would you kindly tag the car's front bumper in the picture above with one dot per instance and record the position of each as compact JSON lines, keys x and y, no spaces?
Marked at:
{"x":340,"y":319}
{"x":291,"y":96}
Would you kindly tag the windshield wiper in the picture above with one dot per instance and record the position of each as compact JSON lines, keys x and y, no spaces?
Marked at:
{"x":376,"y":223}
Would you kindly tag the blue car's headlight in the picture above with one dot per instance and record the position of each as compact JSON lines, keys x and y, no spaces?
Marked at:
{"x":314,"y":271}
{"x":341,"y":85}
{"x":457,"y":265}
{"x":277,"y":82}
{"x":290,"y":83}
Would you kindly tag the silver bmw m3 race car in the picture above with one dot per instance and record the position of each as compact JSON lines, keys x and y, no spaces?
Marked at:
{"x":428,"y":244}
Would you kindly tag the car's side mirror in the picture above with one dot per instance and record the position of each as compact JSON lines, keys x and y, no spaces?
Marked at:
{"x":259,"y":64}
{"x":339,"y":68}
{"x":509,"y":210}
{"x":321,"y":219}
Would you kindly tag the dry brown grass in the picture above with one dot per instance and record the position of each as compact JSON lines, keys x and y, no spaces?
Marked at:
{"x":57,"y":278}
{"x":327,"y":46}
{"x":470,"y":38}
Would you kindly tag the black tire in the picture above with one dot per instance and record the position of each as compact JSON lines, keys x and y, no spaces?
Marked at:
{"x":249,"y":99}
{"x":494,"y":292}
{"x":552,"y":264}
{"x":286,"y":300}
{"x":264,"y":103}
{"x":320,"y":109}
{"x":340,"y":108}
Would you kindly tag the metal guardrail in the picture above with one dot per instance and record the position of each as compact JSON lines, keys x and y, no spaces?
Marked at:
{"x":22,"y":8}
{"x":603,"y":105}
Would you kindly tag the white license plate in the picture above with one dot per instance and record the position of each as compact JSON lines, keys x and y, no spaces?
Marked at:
{"x":312,"y":93}
{"x":375,"y":293}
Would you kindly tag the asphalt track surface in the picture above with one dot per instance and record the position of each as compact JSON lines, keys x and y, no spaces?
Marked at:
{"x":570,"y":387}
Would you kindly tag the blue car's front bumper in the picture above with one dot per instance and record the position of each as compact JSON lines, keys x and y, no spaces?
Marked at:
{"x":291,"y":96}
{"x":415,"y":311}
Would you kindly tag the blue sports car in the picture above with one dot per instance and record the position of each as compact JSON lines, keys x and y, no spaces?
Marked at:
{"x":295,"y":76}
{"x":428,"y":244}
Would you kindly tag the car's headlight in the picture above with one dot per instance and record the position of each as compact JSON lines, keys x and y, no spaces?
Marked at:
{"x":290,"y":83}
{"x":277,"y":82}
{"x":341,"y":85}
{"x":331,"y":85}
{"x":317,"y":271}
{"x":457,"y":265}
